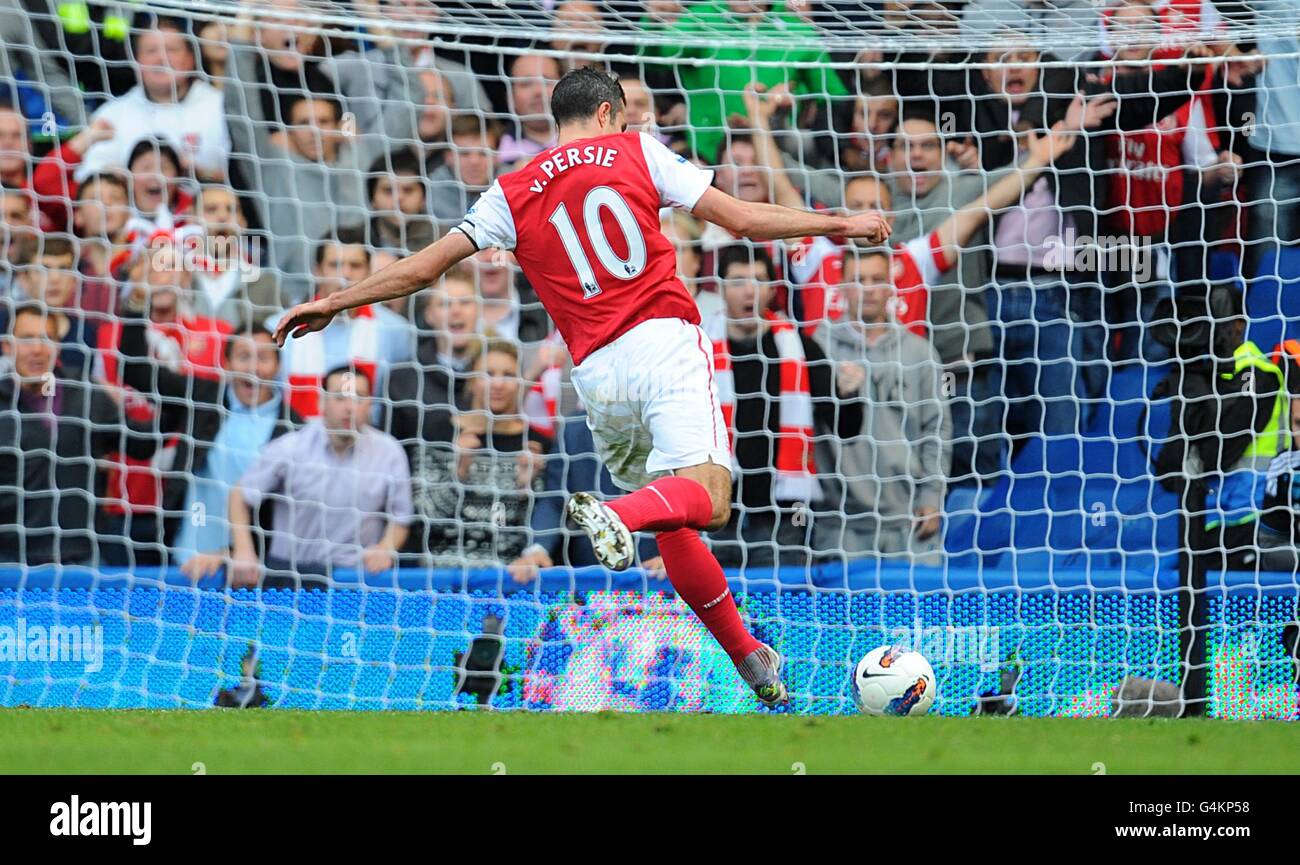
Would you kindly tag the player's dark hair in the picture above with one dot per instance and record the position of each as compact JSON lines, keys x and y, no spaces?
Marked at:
{"x":351,"y":369}
{"x":743,"y":255}
{"x":580,"y":92}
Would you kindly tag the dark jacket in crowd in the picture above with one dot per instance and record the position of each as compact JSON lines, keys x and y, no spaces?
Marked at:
{"x":480,"y":518}
{"x":188,"y":404}
{"x":48,"y":478}
{"x":423,"y":396}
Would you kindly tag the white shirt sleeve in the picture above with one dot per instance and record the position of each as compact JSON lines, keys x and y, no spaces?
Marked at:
{"x":679,"y":181}
{"x":110,"y":153}
{"x":924,"y":253}
{"x":1198,"y":150}
{"x":489,"y":223}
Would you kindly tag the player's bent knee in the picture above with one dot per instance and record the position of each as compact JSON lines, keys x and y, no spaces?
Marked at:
{"x":719,"y":487}
{"x":716,"y":480}
{"x":721,"y":512}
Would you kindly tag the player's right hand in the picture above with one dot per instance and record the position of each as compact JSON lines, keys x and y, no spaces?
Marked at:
{"x":849,"y":378}
{"x":245,"y":570}
{"x":524,"y":569}
{"x":303,"y":319}
{"x":467,"y":445}
{"x":203,"y":565}
{"x":870,"y":225}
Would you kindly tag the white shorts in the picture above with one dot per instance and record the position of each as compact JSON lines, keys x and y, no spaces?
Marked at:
{"x":652,"y":404}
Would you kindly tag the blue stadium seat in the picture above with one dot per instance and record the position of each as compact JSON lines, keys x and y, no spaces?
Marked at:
{"x":1088,"y":501}
{"x":1273,"y":298}
{"x":1224,"y":266}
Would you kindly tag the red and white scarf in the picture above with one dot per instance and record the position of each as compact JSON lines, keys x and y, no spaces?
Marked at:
{"x":796,"y":467}
{"x":542,"y":402}
{"x":309,"y":360}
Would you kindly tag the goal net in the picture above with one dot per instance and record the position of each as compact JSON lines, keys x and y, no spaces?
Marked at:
{"x":1044,"y":435}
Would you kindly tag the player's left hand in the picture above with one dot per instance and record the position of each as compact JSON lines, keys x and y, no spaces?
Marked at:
{"x":303,"y":319}
{"x":870,"y":225}
{"x":654,"y":568}
{"x":849,"y":377}
{"x":927,"y":522}
{"x":528,"y":465}
{"x":378,"y":558}
{"x":1224,"y":171}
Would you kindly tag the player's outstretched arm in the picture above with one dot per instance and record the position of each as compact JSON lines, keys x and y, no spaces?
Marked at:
{"x":396,"y":280}
{"x":774,"y":222}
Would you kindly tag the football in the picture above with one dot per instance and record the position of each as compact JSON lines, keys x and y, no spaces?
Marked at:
{"x":894,"y":680}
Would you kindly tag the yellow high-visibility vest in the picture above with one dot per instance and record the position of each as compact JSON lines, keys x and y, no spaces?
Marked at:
{"x":1276,"y":436}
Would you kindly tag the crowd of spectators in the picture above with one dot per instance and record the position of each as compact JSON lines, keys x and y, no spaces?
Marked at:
{"x":166,"y":195}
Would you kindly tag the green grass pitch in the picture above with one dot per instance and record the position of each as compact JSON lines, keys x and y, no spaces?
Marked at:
{"x":45,"y":741}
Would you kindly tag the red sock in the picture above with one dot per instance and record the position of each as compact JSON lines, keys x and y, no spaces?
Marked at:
{"x":667,"y":504}
{"x":698,"y":579}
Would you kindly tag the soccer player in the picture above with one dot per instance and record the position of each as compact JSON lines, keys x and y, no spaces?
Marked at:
{"x":583,"y":221}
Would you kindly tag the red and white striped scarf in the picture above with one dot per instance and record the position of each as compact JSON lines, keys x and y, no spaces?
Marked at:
{"x":796,"y":467}
{"x":309,"y":360}
{"x":542,"y":402}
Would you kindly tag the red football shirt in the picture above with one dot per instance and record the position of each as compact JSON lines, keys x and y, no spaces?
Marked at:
{"x":583,"y":221}
{"x":916,"y":266}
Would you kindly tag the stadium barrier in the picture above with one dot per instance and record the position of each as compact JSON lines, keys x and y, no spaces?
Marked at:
{"x":590,"y":641}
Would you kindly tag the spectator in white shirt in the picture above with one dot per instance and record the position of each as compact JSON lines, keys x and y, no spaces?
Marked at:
{"x":170,"y":102}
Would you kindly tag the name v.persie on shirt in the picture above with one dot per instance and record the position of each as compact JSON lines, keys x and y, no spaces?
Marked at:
{"x":564,"y":159}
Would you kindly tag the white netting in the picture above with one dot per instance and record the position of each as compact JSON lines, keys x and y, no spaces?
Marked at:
{"x":998,"y":427}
